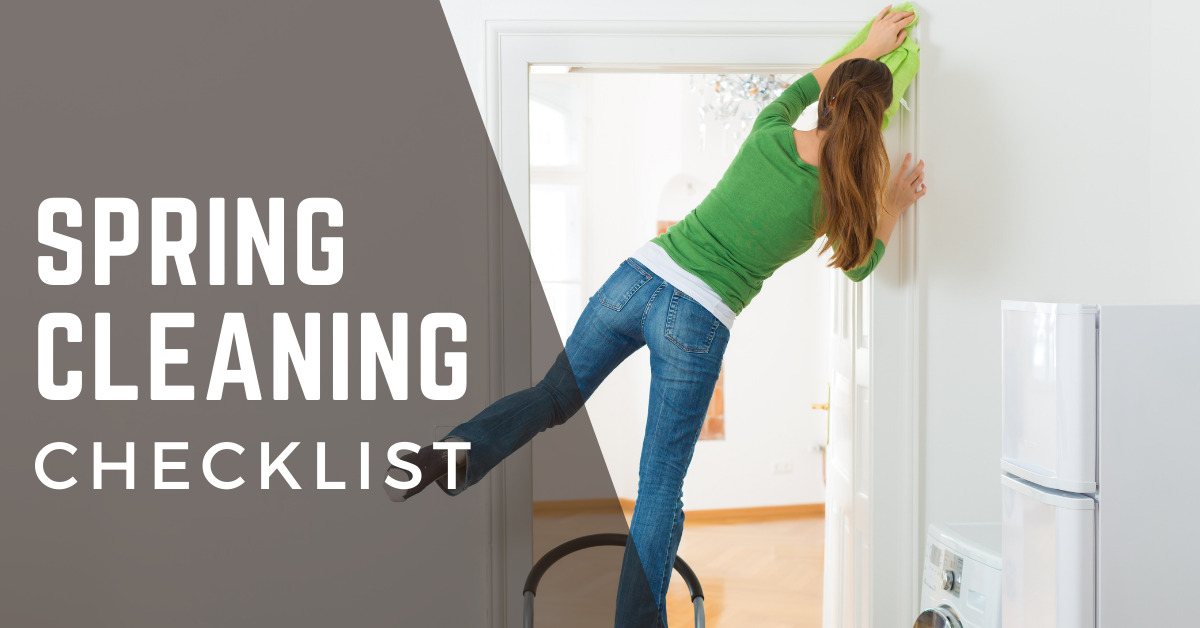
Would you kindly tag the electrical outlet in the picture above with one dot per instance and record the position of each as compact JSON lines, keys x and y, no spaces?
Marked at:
{"x":782,"y":467}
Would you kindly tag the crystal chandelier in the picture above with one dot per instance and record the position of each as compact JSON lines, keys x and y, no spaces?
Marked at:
{"x":735,"y":100}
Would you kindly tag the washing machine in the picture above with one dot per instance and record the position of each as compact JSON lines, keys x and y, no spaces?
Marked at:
{"x":961,"y":583}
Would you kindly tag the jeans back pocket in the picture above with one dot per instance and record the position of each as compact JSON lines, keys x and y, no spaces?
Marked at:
{"x":690,"y":326}
{"x":622,"y":284}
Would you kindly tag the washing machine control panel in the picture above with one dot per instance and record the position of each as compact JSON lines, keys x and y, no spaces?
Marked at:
{"x":944,"y":571}
{"x":961,"y":577}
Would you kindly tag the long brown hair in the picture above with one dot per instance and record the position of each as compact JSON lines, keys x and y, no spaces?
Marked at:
{"x":853,"y":163}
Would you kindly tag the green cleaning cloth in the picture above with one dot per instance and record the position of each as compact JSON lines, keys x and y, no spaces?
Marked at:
{"x":902,"y":61}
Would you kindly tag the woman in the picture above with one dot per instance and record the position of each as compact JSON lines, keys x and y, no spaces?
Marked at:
{"x":680,"y":292}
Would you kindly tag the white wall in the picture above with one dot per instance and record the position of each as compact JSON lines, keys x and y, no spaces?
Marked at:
{"x":1060,"y":142}
{"x":1043,"y":186}
{"x":634,"y":148}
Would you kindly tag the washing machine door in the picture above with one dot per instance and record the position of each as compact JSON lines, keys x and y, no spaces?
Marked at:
{"x":940,"y":617}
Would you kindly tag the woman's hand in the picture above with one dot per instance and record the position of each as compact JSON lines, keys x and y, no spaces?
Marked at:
{"x":904,"y":188}
{"x":887,"y":32}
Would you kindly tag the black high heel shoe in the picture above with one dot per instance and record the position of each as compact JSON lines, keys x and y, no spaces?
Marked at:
{"x":433,"y":466}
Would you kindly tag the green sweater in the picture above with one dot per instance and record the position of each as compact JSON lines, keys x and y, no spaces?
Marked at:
{"x":761,"y":214}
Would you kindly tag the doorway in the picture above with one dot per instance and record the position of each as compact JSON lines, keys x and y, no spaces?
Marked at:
{"x":615,"y":158}
{"x":878,"y":555}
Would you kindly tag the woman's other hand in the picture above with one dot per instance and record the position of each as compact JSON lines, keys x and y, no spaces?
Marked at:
{"x":887,"y":32}
{"x":905,"y":188}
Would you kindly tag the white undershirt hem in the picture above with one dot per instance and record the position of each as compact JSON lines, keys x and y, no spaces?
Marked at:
{"x":657,"y":261}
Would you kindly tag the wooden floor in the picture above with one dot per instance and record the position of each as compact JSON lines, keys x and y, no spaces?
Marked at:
{"x":765,"y":574}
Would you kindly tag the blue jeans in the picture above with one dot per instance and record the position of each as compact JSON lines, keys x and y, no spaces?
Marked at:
{"x":633,"y":308}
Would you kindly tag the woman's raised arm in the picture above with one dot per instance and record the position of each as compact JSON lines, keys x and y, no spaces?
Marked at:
{"x":886,"y":34}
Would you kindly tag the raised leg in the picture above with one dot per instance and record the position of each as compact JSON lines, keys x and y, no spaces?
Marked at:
{"x":607,"y":332}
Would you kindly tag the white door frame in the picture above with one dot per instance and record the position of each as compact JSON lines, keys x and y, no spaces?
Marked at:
{"x":511,"y":47}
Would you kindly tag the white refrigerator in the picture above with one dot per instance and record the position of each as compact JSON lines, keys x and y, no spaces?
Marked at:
{"x":1100,"y":466}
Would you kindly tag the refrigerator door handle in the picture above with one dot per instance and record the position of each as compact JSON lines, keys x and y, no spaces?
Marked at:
{"x":1041,"y":479}
{"x":1049,"y":496}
